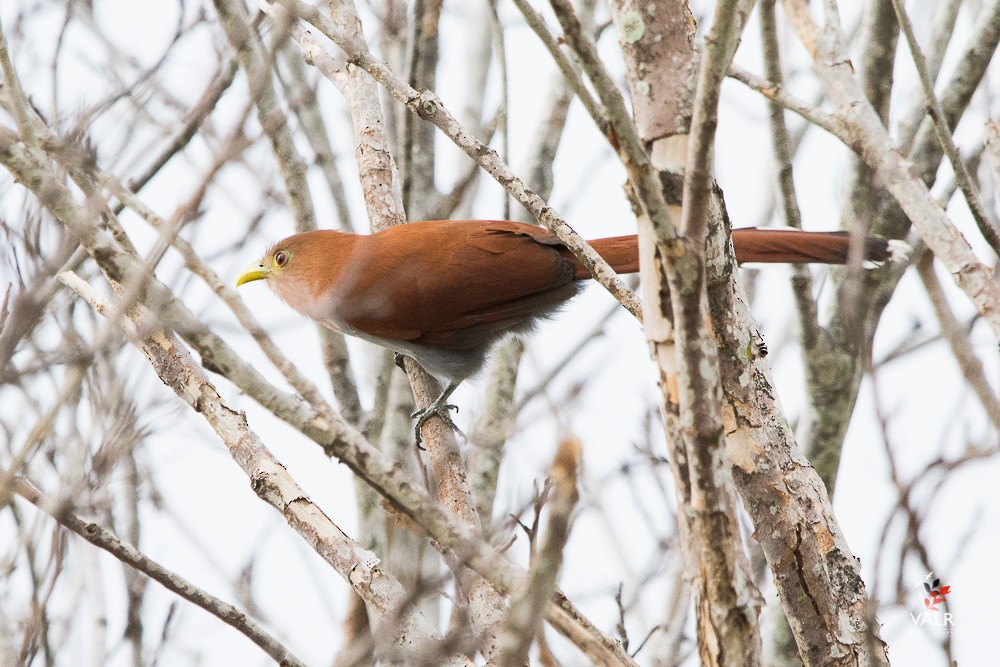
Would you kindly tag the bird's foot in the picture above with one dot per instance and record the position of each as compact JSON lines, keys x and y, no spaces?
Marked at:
{"x":436,"y":409}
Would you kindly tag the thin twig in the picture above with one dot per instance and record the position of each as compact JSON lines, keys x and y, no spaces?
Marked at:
{"x":524,"y":621}
{"x":569,"y":71}
{"x":958,"y":340}
{"x":502,"y":124}
{"x":943,"y":132}
{"x":572,"y":353}
{"x":196,"y":117}
{"x":777,"y":93}
{"x":104,"y":539}
{"x":865,"y":133}
{"x":642,"y":176}
{"x":720,"y":47}
{"x":314,"y":127}
{"x":802,"y":286}
{"x":991,"y":145}
{"x":20,"y":107}
{"x":274,"y":122}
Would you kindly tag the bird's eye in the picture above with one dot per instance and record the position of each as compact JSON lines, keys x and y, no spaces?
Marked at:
{"x":281,"y":258}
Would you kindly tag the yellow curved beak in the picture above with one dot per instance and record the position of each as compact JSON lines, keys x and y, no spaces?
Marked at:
{"x":254,"y":271}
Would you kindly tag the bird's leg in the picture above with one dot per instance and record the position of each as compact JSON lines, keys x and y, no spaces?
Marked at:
{"x":439,"y":408}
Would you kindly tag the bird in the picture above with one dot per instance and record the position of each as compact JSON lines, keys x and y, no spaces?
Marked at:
{"x":444,"y":292}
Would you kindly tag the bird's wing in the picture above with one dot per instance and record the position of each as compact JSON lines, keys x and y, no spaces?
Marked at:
{"x":454,"y":284}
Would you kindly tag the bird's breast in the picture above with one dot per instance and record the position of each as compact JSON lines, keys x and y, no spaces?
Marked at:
{"x":315,"y":305}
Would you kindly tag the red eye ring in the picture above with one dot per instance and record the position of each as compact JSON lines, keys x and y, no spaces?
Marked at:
{"x":281,"y":258}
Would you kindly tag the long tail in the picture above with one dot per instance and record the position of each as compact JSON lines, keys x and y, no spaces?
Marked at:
{"x":790,"y":246}
{"x":772,"y":246}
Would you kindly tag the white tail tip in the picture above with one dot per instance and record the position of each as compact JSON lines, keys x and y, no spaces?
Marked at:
{"x":899,"y":251}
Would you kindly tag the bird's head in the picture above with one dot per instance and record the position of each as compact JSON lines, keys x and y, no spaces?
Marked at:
{"x":276,"y":264}
{"x":300,"y":269}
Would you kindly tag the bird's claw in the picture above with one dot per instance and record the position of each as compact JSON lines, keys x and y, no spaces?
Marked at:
{"x":397,"y":359}
{"x":439,"y":410}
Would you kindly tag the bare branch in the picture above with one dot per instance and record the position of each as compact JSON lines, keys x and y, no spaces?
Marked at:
{"x":943,"y":133}
{"x":777,"y":93}
{"x":972,"y":368}
{"x":802,"y":286}
{"x":720,"y":46}
{"x":570,"y":72}
{"x":258,"y":72}
{"x":865,"y":134}
{"x":269,"y":479}
{"x":528,"y":605}
{"x":128,"y":554}
{"x":642,"y":176}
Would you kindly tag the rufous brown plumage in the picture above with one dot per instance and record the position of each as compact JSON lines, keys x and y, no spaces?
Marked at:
{"x":445,"y":291}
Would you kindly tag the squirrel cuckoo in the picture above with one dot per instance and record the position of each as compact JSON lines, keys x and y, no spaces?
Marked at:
{"x":445,"y":291}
